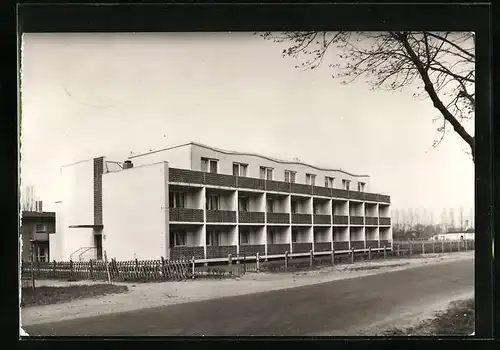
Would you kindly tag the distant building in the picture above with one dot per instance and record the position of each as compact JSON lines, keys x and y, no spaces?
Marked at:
{"x":454,"y":236}
{"x":35,"y":229}
{"x":197,"y":201}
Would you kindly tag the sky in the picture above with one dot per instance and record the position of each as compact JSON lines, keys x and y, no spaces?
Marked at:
{"x":90,"y":95}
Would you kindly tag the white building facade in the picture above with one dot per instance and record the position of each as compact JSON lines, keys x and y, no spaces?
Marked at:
{"x":196,"y":201}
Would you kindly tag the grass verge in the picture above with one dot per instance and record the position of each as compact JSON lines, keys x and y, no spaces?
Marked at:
{"x":52,"y":295}
{"x":458,"y":319}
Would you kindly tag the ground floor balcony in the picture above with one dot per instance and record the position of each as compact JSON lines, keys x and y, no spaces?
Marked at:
{"x":341,"y":245}
{"x":322,"y":246}
{"x":385,"y":243}
{"x":278,"y":248}
{"x":252,"y":249}
{"x":301,"y":247}
{"x":372,"y":244}
{"x":187,"y":253}
{"x":219,"y":252}
{"x":357,"y":244}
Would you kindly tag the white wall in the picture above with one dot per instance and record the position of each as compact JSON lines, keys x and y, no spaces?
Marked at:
{"x":357,"y":234}
{"x":77,"y":182}
{"x":371,"y":210}
{"x":76,"y":241}
{"x":303,"y":205}
{"x":283,"y":234}
{"x":341,"y":234}
{"x":178,"y":157}
{"x":135,"y":213}
{"x":325,"y":207}
{"x":385,"y":233}
{"x":356,"y":208}
{"x":303,"y":234}
{"x":255,"y":162}
{"x":256,"y":234}
{"x":384,"y":211}
{"x":323,"y":234}
{"x":371,"y":233}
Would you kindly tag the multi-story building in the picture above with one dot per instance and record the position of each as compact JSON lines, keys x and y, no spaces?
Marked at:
{"x":196,"y":201}
{"x":34,"y":232}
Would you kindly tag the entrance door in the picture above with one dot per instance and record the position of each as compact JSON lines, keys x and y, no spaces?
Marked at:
{"x":98,"y":245}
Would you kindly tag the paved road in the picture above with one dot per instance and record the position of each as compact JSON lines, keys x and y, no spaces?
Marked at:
{"x":336,"y":308}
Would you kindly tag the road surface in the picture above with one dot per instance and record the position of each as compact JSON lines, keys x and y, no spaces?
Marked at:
{"x":345,"y":307}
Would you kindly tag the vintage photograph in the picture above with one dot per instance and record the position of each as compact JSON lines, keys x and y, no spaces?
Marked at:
{"x":247,"y":184}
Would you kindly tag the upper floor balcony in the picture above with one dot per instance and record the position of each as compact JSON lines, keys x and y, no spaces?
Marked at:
{"x":184,"y":176}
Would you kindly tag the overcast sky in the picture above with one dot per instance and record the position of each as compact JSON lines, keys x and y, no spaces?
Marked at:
{"x":87,"y":95}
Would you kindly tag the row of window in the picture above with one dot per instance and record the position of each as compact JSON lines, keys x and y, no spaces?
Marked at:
{"x":240,"y":169}
{"x":214,"y":237}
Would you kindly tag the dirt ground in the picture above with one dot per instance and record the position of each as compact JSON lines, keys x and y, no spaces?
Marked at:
{"x":146,"y":295}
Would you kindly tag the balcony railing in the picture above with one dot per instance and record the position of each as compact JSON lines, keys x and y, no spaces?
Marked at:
{"x":214,"y":252}
{"x":252,"y":249}
{"x":251,"y":217}
{"x":385,"y":243}
{"x":301,"y":219}
{"x":371,"y":244}
{"x":301,"y":247}
{"x":278,"y":218}
{"x":357,"y":220}
{"x":371,"y":221}
{"x":198,"y":177}
{"x":322,"y":246}
{"x":221,"y":216}
{"x":358,"y":244}
{"x":186,"y":253}
{"x":340,"y":220}
{"x":322,"y":219}
{"x":339,"y":246}
{"x":385,"y":221}
{"x":278,"y":249}
{"x":186,"y":215}
{"x":41,"y":236}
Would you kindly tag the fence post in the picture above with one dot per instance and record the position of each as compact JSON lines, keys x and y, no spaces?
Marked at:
{"x":137,"y":274}
{"x":385,"y":252}
{"x":54,"y":269}
{"x":411,"y":248}
{"x":433,"y":247}
{"x":459,"y":244}
{"x":107,"y":266}
{"x":71,"y":269}
{"x":192,"y":267}
{"x":370,"y":253}
{"x":229,"y":259}
{"x":286,"y":260}
{"x":333,"y":256}
{"x":258,"y":261}
{"x":32,"y":268}
{"x":237,"y":259}
{"x":465,"y":245}
{"x":244,"y":263}
{"x":311,"y":256}
{"x":451,"y":246}
{"x":163,"y":267}
{"x":423,"y":247}
{"x":352,"y":255}
{"x":397,"y":248}
{"x":91,"y":269}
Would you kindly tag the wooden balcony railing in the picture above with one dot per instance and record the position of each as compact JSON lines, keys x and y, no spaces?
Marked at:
{"x":278,"y":249}
{"x":214,"y":252}
{"x":278,"y":218}
{"x":185,"y":215}
{"x":251,"y":217}
{"x":221,"y":216}
{"x":340,"y":219}
{"x":252,"y":249}
{"x":371,"y":244}
{"x":322,"y":219}
{"x":301,"y":219}
{"x":371,"y":221}
{"x":339,"y":246}
{"x":385,"y":221}
{"x":358,"y":244}
{"x":186,"y":253}
{"x":322,"y":246}
{"x":357,"y":220}
{"x":301,"y":247}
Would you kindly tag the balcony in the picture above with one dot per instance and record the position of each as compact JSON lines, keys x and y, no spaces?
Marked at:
{"x":186,"y":253}
{"x":278,"y":249}
{"x":220,"y":180}
{"x":358,"y":244}
{"x":252,"y":249}
{"x":384,"y":199}
{"x":41,"y":236}
{"x":339,"y":246}
{"x":340,"y":220}
{"x":248,"y":182}
{"x":322,"y":219}
{"x":185,"y":215}
{"x":322,"y":246}
{"x":301,"y":219}
{"x":385,"y":243}
{"x":371,"y":221}
{"x":215,"y":252}
{"x":221,"y":216}
{"x":251,"y":217}
{"x":385,"y":221}
{"x":338,"y":193}
{"x":357,"y":220}
{"x":356,"y":195}
{"x":301,"y":247}
{"x":372,"y":244}
{"x":322,"y":191}
{"x":371,"y":197}
{"x":186,"y":176}
{"x":302,"y":189}
{"x":277,"y":186}
{"x":278,"y":218}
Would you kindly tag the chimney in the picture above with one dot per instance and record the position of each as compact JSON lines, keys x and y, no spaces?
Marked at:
{"x":38,"y":206}
{"x":127,"y":164}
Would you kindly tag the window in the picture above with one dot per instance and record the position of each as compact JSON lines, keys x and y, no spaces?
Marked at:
{"x":310,"y":179}
{"x":361,"y":186}
{"x":41,"y":228}
{"x":239,"y":169}
{"x":316,"y":208}
{"x":290,"y":176}
{"x":294,"y":208}
{"x":270,"y":205}
{"x":346,"y":184}
{"x":244,"y":237}
{"x":179,"y":238}
{"x":272,"y":236}
{"x":242,"y":204}
{"x":329,"y":181}
{"x":212,"y":202}
{"x":294,"y":236}
{"x":213,"y":238}
{"x":177,"y":199}
{"x":266,"y":173}
{"x":209,"y":165}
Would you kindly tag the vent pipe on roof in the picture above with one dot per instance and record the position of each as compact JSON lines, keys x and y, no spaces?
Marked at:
{"x":38,"y":206}
{"x":127,"y":164}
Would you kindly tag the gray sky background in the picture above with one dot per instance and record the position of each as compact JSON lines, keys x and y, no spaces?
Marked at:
{"x":87,"y":95}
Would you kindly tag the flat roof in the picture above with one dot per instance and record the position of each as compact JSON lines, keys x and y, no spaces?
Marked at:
{"x":39,"y":214}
